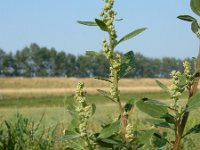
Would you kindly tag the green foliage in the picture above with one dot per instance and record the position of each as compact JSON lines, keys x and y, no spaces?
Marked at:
{"x":105,"y":94}
{"x":195,"y":6}
{"x":101,"y":25}
{"x":194,"y":102}
{"x":186,"y":18}
{"x":127,"y":64}
{"x":40,"y":61}
{"x":131,"y":35}
{"x":87,"y":23}
{"x":70,"y":135}
{"x":92,"y":53}
{"x":153,"y":108}
{"x":21,"y":133}
{"x":109,"y":130}
{"x":174,"y":116}
{"x":160,"y":84}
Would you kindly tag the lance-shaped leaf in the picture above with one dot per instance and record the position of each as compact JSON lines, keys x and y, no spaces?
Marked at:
{"x":195,"y":129}
{"x":105,"y":94}
{"x":195,"y":27}
{"x":159,"y":141}
{"x":101,"y":25}
{"x":194,"y":102}
{"x":169,"y":118}
{"x":163,"y":124}
{"x":195,"y":6}
{"x":131,"y":35}
{"x":87,"y":23}
{"x":186,"y":18}
{"x":127,"y":64}
{"x":145,"y":136}
{"x":120,"y":19}
{"x":109,"y":130}
{"x":70,"y":135}
{"x":164,"y":87}
{"x":153,"y":108}
{"x":92,"y":53}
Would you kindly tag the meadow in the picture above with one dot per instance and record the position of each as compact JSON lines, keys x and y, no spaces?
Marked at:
{"x":47,"y":98}
{"x":33,"y":97}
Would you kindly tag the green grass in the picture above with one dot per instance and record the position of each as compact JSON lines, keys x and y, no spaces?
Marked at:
{"x":54,"y":110}
{"x":59,"y":101}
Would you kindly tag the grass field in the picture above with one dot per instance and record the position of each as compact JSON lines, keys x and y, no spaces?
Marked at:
{"x":35,"y":96}
{"x":47,"y":97}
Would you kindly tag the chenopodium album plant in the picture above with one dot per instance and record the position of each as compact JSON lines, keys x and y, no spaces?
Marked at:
{"x":174,"y":117}
{"x":118,"y":134}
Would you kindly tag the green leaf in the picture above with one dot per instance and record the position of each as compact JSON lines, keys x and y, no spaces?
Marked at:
{"x":105,"y":94}
{"x":164,"y":87}
{"x":169,"y":118}
{"x":194,"y":102}
{"x":131,"y":35}
{"x":195,"y":27}
{"x":186,"y":18}
{"x":101,"y":25}
{"x":145,"y":136}
{"x":159,"y":141}
{"x":87,"y":23}
{"x":70,"y":135}
{"x":103,"y":79}
{"x":93,"y":108}
{"x":111,"y":141}
{"x":127,"y":64}
{"x":119,"y":19}
{"x":109,"y":130}
{"x":151,"y":107}
{"x":195,"y":6}
{"x":92,"y":53}
{"x":195,"y":129}
{"x":163,"y":124}
{"x":71,"y":110}
{"x":129,"y":105}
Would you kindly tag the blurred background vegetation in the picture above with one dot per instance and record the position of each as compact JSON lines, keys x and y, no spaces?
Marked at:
{"x":36,"y":61}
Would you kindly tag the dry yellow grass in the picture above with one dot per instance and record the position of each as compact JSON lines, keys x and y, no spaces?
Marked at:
{"x":60,"y":86}
{"x":32,"y":83}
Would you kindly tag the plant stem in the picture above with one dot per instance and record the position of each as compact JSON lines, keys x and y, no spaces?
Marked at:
{"x":181,"y":126}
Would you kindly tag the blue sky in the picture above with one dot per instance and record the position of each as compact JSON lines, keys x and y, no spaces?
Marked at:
{"x":52,"y":23}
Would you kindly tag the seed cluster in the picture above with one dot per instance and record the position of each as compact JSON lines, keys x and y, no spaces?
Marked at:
{"x":108,"y":17}
{"x":174,"y":89}
{"x":84,"y":112}
{"x":187,"y":72}
{"x":129,"y":133}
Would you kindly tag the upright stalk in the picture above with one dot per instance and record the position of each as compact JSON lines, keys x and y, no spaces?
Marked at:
{"x":108,"y":17}
{"x":182,"y":123}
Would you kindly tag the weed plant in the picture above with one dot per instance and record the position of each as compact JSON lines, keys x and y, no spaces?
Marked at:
{"x":170,"y":119}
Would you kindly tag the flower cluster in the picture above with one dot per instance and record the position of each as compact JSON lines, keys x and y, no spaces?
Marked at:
{"x":129,"y":133}
{"x":115,"y":68}
{"x":84,"y":110}
{"x":108,"y":17}
{"x":106,"y":50}
{"x":174,"y":89}
{"x":187,"y":72}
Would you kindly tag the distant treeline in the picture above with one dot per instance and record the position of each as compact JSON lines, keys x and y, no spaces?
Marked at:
{"x":39,"y":61}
